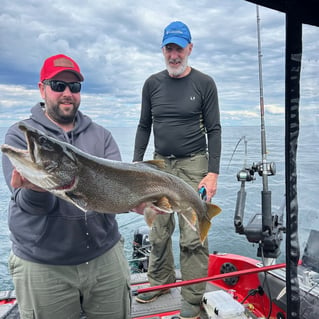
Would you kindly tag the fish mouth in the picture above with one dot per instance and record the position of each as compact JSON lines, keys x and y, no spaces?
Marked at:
{"x":14,"y":152}
{"x":67,"y":187}
{"x":28,"y":159}
{"x":51,"y":183}
{"x":6,"y":148}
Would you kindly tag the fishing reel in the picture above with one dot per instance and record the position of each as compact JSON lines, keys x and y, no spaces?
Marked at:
{"x":267,"y":168}
{"x":248,"y":174}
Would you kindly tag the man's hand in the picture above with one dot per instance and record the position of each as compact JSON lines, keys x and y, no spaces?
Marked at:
{"x":18,"y":181}
{"x":210,"y":184}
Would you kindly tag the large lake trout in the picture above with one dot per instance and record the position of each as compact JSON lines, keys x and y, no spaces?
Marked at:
{"x":107,"y":186}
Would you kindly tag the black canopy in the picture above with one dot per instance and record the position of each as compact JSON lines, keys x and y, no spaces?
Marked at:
{"x":306,"y":10}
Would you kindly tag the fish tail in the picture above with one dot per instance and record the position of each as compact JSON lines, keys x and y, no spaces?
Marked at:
{"x":212,"y":210}
{"x":205,"y":223}
{"x":204,"y":226}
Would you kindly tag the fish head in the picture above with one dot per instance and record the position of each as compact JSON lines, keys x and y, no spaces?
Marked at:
{"x":47,"y":163}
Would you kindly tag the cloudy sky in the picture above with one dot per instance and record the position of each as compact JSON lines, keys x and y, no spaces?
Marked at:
{"x":118,"y":45}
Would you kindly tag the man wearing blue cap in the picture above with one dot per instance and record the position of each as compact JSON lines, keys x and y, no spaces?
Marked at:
{"x":181,"y":104}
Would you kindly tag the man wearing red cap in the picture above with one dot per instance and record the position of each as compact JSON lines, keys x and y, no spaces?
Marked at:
{"x":63,"y":261}
{"x":181,"y":104}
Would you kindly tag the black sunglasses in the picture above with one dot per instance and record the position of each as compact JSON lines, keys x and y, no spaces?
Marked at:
{"x":60,"y":86}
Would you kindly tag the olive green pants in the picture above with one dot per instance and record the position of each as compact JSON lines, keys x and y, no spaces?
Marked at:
{"x":101,"y":287}
{"x":193,"y":255}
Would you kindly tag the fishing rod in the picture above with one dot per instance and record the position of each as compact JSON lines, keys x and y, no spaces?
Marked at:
{"x":209,"y":278}
{"x":265,"y":228}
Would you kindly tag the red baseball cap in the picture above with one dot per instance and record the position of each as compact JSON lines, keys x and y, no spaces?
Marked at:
{"x":59,"y":63}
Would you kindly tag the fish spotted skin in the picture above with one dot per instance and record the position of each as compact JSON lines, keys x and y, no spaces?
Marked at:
{"x":107,"y":186}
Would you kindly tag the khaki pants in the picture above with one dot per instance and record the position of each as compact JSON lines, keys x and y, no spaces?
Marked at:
{"x":193,"y":255}
{"x":101,"y":287}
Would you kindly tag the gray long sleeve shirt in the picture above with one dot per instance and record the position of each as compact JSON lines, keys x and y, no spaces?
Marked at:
{"x":45,"y":228}
{"x":182,"y":111}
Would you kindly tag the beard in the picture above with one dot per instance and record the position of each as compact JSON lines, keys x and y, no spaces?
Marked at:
{"x":61,"y":115}
{"x":176,"y":72}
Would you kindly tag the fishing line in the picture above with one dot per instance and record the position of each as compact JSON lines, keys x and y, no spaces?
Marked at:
{"x":234,"y":151}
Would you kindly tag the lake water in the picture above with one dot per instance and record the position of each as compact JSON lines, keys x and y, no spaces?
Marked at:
{"x":222,"y":236}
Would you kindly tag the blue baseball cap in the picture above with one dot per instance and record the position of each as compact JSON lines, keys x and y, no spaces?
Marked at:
{"x":177,"y":32}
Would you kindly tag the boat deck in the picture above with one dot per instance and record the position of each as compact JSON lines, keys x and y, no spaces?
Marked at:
{"x":169,"y":303}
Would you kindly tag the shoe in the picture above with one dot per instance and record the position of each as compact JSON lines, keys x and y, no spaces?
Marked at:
{"x":189,"y":311}
{"x":150,"y":296}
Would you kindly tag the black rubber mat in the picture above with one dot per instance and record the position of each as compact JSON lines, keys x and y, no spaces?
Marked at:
{"x":164,"y":303}
{"x":168,"y":302}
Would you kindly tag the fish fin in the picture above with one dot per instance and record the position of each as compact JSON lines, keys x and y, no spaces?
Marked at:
{"x":164,"y":205}
{"x":191,"y":215}
{"x":149,"y":216}
{"x":76,"y":200}
{"x":152,"y":209}
{"x":212,"y":210}
{"x":205,"y":223}
{"x":71,"y":199}
{"x":191,"y":221}
{"x":159,"y":163}
{"x":79,"y":206}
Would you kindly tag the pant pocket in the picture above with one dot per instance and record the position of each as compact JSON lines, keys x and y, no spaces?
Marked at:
{"x":12,"y":263}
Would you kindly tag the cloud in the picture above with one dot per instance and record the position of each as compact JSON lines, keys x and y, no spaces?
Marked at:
{"x":117,"y":45}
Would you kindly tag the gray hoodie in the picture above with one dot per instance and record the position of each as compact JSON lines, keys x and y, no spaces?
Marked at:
{"x":45,"y":228}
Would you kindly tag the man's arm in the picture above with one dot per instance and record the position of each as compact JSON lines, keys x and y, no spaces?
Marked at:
{"x":211,"y":117}
{"x":143,"y":131}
